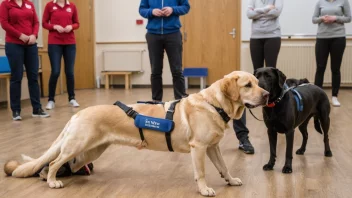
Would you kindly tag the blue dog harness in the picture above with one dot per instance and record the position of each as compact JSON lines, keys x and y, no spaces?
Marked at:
{"x":158,"y":124}
{"x":296,"y":94}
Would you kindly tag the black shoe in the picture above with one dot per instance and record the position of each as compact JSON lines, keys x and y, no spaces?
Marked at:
{"x":40,"y":113}
{"x":246,"y":146}
{"x":16,"y":116}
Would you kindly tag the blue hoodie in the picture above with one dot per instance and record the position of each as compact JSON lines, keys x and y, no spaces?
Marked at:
{"x":163,"y":25}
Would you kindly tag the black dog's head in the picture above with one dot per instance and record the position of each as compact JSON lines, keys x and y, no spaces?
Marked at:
{"x":292,"y":82}
{"x":272,"y":80}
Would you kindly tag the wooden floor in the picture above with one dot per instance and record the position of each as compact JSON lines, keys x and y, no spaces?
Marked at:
{"x":127,"y":172}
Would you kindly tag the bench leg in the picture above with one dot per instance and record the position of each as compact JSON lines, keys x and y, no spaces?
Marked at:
{"x":127,"y":81}
{"x":106,"y":81}
{"x":186,"y":83}
{"x":8,"y":93}
{"x":202,"y":83}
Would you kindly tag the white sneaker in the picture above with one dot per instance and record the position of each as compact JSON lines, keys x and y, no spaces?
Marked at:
{"x":50,"y":105}
{"x":335,"y":102}
{"x":74,"y":103}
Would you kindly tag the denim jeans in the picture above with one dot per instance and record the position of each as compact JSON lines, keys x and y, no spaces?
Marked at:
{"x":27,"y":55}
{"x":240,"y":127}
{"x":56,"y":52}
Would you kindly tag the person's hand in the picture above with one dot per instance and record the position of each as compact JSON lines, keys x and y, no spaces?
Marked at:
{"x":167,"y":11}
{"x":157,"y":12}
{"x":59,"y":28}
{"x":24,"y":38}
{"x":271,"y":7}
{"x":68,"y":28}
{"x":330,"y":19}
{"x":32,"y":39}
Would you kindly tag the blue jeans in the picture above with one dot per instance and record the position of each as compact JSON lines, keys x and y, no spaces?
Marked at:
{"x":27,"y":55}
{"x":240,"y":127}
{"x":56,"y":52}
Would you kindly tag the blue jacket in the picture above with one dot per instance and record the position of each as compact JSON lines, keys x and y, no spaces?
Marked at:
{"x":163,"y":25}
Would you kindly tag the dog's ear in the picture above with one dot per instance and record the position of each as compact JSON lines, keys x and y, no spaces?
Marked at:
{"x":255,"y":73}
{"x":229,"y":87}
{"x":304,"y":80}
{"x":281,"y":77}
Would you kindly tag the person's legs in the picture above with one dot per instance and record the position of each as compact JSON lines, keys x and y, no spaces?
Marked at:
{"x":173,"y":47}
{"x":338,"y":46}
{"x":271,"y":51}
{"x":242,"y":134}
{"x":322,"y":49}
{"x":257,"y":52}
{"x":15,"y":56}
{"x":69,"y":52}
{"x":156,"y":56}
{"x":55,"y":54}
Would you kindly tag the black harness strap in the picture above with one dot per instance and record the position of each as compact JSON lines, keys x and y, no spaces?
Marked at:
{"x":222,"y":113}
{"x":170,"y":115}
{"x":131,"y":113}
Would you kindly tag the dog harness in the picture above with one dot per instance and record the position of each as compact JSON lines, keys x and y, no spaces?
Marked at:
{"x":166,"y":125}
{"x":296,"y":94}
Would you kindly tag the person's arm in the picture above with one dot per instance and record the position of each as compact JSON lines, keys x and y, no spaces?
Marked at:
{"x":181,"y":9}
{"x":4,"y":20}
{"x":252,"y":12}
{"x":75,"y":20}
{"x":46,"y":19}
{"x":347,"y":14}
{"x":35,"y":23}
{"x":145,"y":10}
{"x":275,"y":13}
{"x":316,"y":16}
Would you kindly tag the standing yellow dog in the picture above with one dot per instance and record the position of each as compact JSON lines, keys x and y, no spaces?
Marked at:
{"x":198,"y":130}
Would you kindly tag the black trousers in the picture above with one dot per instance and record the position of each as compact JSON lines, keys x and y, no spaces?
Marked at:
{"x":266,"y":49}
{"x":335,"y":47}
{"x":172,"y":44}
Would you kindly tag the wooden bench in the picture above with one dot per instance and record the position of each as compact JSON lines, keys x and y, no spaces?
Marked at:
{"x":113,"y":73}
{"x":7,"y":77}
{"x":199,"y":72}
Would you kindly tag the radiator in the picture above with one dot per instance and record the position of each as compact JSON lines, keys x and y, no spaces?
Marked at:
{"x":298,"y":61}
{"x":123,"y":60}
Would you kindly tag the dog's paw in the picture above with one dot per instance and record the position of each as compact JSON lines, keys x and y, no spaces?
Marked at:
{"x":207,"y":192}
{"x":287,"y":169}
{"x":56,"y":184}
{"x":268,"y":167}
{"x":328,"y":154}
{"x":235,"y":182}
{"x":300,"y":152}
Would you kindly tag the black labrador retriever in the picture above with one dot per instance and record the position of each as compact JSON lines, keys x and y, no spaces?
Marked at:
{"x":281,"y":115}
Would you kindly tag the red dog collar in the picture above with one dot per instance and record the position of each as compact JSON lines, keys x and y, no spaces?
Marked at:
{"x":271,"y":105}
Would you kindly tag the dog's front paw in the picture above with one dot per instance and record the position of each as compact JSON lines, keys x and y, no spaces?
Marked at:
{"x":300,"y":152}
{"x":328,"y":154}
{"x":56,"y":184}
{"x":268,"y":167}
{"x":207,"y":192}
{"x":235,"y":182}
{"x":287,"y":169}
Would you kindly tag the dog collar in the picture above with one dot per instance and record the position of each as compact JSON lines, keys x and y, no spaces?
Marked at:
{"x":284,"y":91}
{"x":222,"y":113}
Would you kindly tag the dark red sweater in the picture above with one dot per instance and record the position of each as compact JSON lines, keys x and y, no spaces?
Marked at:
{"x":16,"y":20}
{"x":63,"y":16}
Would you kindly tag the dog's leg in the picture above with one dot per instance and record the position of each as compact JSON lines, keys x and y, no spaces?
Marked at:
{"x":325,"y":123}
{"x":87,"y":157}
{"x":198,"y":157}
{"x":289,"y":147}
{"x":303,"y":130}
{"x":272,"y":142}
{"x":215,"y":156}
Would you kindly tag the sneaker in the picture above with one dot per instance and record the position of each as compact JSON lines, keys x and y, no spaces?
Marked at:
{"x":74,"y":103}
{"x":40,"y":113}
{"x":16,"y":116}
{"x":335,"y":102}
{"x":246,"y":146}
{"x":50,"y":105}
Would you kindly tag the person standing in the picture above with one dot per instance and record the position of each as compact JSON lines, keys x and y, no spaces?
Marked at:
{"x":331,"y":16}
{"x":265,"y":44}
{"x":164,"y":34}
{"x":19,"y":20}
{"x":61,"y":19}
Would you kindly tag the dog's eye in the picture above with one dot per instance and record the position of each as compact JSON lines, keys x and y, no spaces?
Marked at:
{"x":249,"y":85}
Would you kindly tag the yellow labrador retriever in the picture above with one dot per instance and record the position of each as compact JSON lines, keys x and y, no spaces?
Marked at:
{"x":198,"y":130}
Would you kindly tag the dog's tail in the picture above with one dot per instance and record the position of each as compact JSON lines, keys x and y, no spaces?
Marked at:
{"x":31,"y":166}
{"x":317,"y":125}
